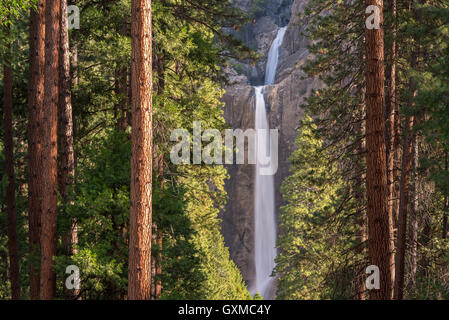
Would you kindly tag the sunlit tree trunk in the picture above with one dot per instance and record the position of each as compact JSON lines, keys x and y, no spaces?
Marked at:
{"x":65,"y":121}
{"x":139,"y":273}
{"x":50,"y":150}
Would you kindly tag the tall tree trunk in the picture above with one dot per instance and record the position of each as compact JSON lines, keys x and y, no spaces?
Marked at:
{"x":139,"y":274}
{"x":11,"y":189}
{"x":390,"y":95}
{"x":67,"y":161}
{"x":35,"y":108}
{"x":67,"y":168}
{"x":407,"y":146}
{"x":378,"y":221}
{"x":75,"y":81}
{"x":413,"y":227}
{"x":50,"y":151}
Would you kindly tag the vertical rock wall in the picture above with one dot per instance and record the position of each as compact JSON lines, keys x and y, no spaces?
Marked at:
{"x":283,"y":102}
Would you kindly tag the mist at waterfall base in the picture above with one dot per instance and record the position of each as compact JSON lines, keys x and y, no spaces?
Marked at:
{"x":264,"y":204}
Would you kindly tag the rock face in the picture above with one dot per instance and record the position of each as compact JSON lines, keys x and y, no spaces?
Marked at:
{"x":283,"y":100}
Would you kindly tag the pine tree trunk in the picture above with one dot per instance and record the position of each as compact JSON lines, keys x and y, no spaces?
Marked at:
{"x":390,"y":83}
{"x":49,"y":151}
{"x":407,"y":146}
{"x":67,"y":168}
{"x":67,"y":161}
{"x":378,"y":221}
{"x":11,"y":189}
{"x":36,"y":101}
{"x":139,"y":274}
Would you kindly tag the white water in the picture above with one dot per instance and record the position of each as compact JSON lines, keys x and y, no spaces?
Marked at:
{"x":264,"y":208}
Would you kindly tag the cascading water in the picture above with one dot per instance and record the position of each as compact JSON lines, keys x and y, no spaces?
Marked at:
{"x":264,"y":210}
{"x":273,"y":57}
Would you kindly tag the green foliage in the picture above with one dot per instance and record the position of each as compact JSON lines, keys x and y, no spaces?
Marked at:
{"x":336,"y":29}
{"x":187,"y":81}
{"x":190,"y":50}
{"x":316,"y":240}
{"x":13,"y":9}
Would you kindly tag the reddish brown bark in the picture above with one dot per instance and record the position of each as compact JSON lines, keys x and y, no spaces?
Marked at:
{"x":139,"y":273}
{"x":67,"y":160}
{"x":11,"y":189}
{"x":36,"y":100}
{"x":378,"y":222}
{"x":49,"y":150}
{"x":67,"y":169}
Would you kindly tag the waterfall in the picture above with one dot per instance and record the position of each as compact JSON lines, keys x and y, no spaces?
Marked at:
{"x":264,"y":207}
{"x":273,"y":57}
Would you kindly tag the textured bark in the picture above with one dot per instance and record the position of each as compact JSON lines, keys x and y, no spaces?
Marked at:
{"x":407,"y":146}
{"x":49,"y":151}
{"x":390,"y":95}
{"x":378,"y":222}
{"x":11,"y":189}
{"x":35,"y":108}
{"x":67,"y":166}
{"x":67,"y":161}
{"x":139,"y":273}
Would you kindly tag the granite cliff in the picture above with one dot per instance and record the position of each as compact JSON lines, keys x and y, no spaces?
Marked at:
{"x":283,"y":101}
